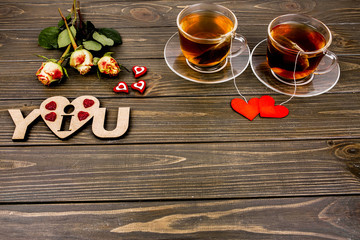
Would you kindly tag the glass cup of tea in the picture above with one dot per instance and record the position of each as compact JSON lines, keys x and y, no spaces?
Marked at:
{"x":206,"y":34}
{"x":296,"y":46}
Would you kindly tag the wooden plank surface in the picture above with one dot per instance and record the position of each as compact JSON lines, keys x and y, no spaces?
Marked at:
{"x":189,"y":167}
{"x":18,"y":81}
{"x":144,"y":43}
{"x":201,"y":119}
{"x":282,"y":218}
{"x":22,"y":14}
{"x":179,"y":171}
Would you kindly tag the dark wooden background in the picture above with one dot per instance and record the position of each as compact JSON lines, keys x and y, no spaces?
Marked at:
{"x":189,"y":167}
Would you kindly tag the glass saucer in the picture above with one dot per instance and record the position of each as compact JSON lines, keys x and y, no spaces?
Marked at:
{"x":177,"y":63}
{"x":319,"y":85}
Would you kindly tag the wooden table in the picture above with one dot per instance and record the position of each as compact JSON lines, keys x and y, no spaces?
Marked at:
{"x":189,"y":167}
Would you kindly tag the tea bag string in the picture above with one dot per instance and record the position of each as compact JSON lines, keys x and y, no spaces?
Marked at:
{"x":233,"y":75}
{"x":294,"y":77}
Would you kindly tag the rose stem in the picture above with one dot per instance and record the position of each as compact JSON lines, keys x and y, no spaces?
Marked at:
{"x":73,"y":10}
{"x":62,"y":58}
{"x":79,"y":14}
{"x":69,"y":32}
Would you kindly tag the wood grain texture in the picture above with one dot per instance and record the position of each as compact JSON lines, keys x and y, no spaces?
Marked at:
{"x":144,"y":43}
{"x":18,"y":81}
{"x":22,"y":14}
{"x":179,"y":171}
{"x":281,"y":218}
{"x":189,"y":167}
{"x":201,"y":119}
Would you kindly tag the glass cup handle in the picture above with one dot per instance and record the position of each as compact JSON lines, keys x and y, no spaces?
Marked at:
{"x":243,"y":42}
{"x":327,"y":63}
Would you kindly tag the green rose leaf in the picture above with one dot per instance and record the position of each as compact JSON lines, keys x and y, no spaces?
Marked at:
{"x":105,"y":41}
{"x":64,"y":39}
{"x":65,"y":71}
{"x":111,"y":33}
{"x":92,"y":45}
{"x":48,"y":38}
{"x":108,"y":54}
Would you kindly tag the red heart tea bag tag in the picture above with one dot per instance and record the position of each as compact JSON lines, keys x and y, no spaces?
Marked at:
{"x":249,"y":110}
{"x":265,"y":105}
{"x":270,"y":110}
{"x":121,"y":87}
{"x":139,"y":86}
{"x":139,"y":71}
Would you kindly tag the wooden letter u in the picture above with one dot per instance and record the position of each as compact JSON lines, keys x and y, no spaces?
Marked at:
{"x":121,"y":126}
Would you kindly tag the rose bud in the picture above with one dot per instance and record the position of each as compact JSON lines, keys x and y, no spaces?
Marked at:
{"x":82,"y":60}
{"x":108,"y":65}
{"x":49,"y":72}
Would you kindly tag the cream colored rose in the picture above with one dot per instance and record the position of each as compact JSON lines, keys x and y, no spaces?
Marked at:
{"x":49,"y":72}
{"x":108,"y":65}
{"x":82,"y":60}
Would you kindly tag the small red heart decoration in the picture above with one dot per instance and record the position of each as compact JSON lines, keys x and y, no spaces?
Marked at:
{"x":51,"y":106}
{"x":139,"y":86}
{"x":50,"y":117}
{"x":83,"y":115}
{"x":88,"y":103}
{"x":121,"y":87}
{"x":268,"y":109}
{"x":139,"y":71}
{"x":249,"y":110}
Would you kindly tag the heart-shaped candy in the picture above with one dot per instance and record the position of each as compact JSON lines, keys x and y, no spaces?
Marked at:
{"x":249,"y":110}
{"x":139,"y":86}
{"x":268,"y":109}
{"x":121,"y":87}
{"x":84,"y":108}
{"x":139,"y":71}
